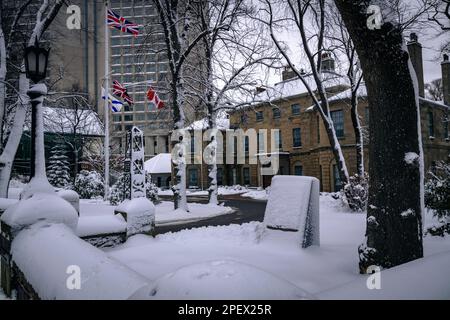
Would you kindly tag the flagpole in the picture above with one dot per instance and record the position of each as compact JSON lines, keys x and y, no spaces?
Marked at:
{"x":106,"y":103}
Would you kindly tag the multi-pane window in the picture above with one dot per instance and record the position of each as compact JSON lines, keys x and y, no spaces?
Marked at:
{"x":220,"y":176}
{"x":246,"y":144}
{"x":430,"y":124}
{"x":278,"y":141}
{"x":297,"y":137}
{"x":338,"y":121}
{"x":337,"y":179}
{"x":295,"y":109}
{"x":276,"y":113}
{"x":193,"y":177}
{"x":261,"y":142}
{"x":246,"y":176}
{"x":117,"y":118}
{"x":140,"y":117}
{"x":259,"y":116}
{"x":128,"y":117}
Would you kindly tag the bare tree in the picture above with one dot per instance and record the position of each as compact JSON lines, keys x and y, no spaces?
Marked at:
{"x":233,"y":55}
{"x":434,"y":90}
{"x":181,"y":37}
{"x":300,"y":14}
{"x":73,"y":119}
{"x":342,"y":47}
{"x":44,"y":17}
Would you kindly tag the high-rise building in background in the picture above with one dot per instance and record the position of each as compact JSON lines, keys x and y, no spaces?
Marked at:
{"x":138,"y":62}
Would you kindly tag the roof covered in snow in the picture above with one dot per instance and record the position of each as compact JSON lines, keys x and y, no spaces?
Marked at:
{"x":295,"y":87}
{"x":362,"y":93}
{"x":222,"y":124}
{"x":161,"y":163}
{"x":65,"y":121}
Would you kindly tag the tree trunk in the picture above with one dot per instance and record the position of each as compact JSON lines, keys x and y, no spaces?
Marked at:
{"x":394,"y":215}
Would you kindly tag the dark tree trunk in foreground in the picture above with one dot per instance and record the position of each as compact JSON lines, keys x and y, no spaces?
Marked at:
{"x":394,"y":215}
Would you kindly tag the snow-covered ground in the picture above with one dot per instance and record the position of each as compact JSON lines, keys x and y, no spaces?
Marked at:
{"x":97,"y":216}
{"x":253,"y":193}
{"x":328,"y":271}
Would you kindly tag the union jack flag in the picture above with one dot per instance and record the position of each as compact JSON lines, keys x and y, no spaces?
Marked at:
{"x":120,"y":91}
{"x":117,"y":21}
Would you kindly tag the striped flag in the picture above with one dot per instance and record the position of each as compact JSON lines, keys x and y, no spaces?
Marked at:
{"x":153,"y":97}
{"x":117,"y":21}
{"x":120,"y":91}
{"x":116,"y":105}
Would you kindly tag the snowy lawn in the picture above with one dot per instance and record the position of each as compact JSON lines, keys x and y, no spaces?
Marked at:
{"x":195,"y":257}
{"x":252,"y":193}
{"x":97,"y":216}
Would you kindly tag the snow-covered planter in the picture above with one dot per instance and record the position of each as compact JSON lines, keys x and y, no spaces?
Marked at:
{"x":356,"y":192}
{"x":40,"y":207}
{"x":89,"y":184}
{"x":71,"y":197}
{"x":293,"y":206}
{"x":54,"y":263}
{"x":140,"y":216}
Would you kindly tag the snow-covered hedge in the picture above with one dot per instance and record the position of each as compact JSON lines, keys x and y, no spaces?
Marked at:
{"x":356,"y":192}
{"x":437,"y":196}
{"x":89,"y":184}
{"x":117,"y":194}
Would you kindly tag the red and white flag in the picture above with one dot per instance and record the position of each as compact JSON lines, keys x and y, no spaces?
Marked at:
{"x":120,"y":91}
{"x":153,"y":97}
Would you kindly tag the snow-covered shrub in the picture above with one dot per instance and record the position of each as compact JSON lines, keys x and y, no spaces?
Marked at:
{"x":89,"y":184}
{"x":151,"y":190}
{"x":356,"y":192}
{"x":58,"y":169}
{"x":117,"y":192}
{"x":437,"y":194}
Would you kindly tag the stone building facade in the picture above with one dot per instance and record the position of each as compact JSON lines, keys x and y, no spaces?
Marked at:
{"x":303,"y":146}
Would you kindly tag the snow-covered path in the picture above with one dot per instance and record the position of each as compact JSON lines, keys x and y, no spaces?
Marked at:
{"x":316,"y":269}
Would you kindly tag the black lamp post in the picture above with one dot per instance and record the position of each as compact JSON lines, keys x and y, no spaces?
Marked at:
{"x":36,"y":60}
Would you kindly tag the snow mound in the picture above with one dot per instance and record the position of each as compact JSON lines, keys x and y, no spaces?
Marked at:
{"x":45,"y":252}
{"x":224,"y":279}
{"x":41,"y":207}
{"x":246,"y":233}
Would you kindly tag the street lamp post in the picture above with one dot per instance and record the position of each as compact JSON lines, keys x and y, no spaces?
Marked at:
{"x":36,"y":60}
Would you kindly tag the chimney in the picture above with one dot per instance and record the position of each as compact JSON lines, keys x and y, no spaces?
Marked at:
{"x":327,"y":62}
{"x":288,"y":74}
{"x":445,"y":65}
{"x":415,"y":54}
